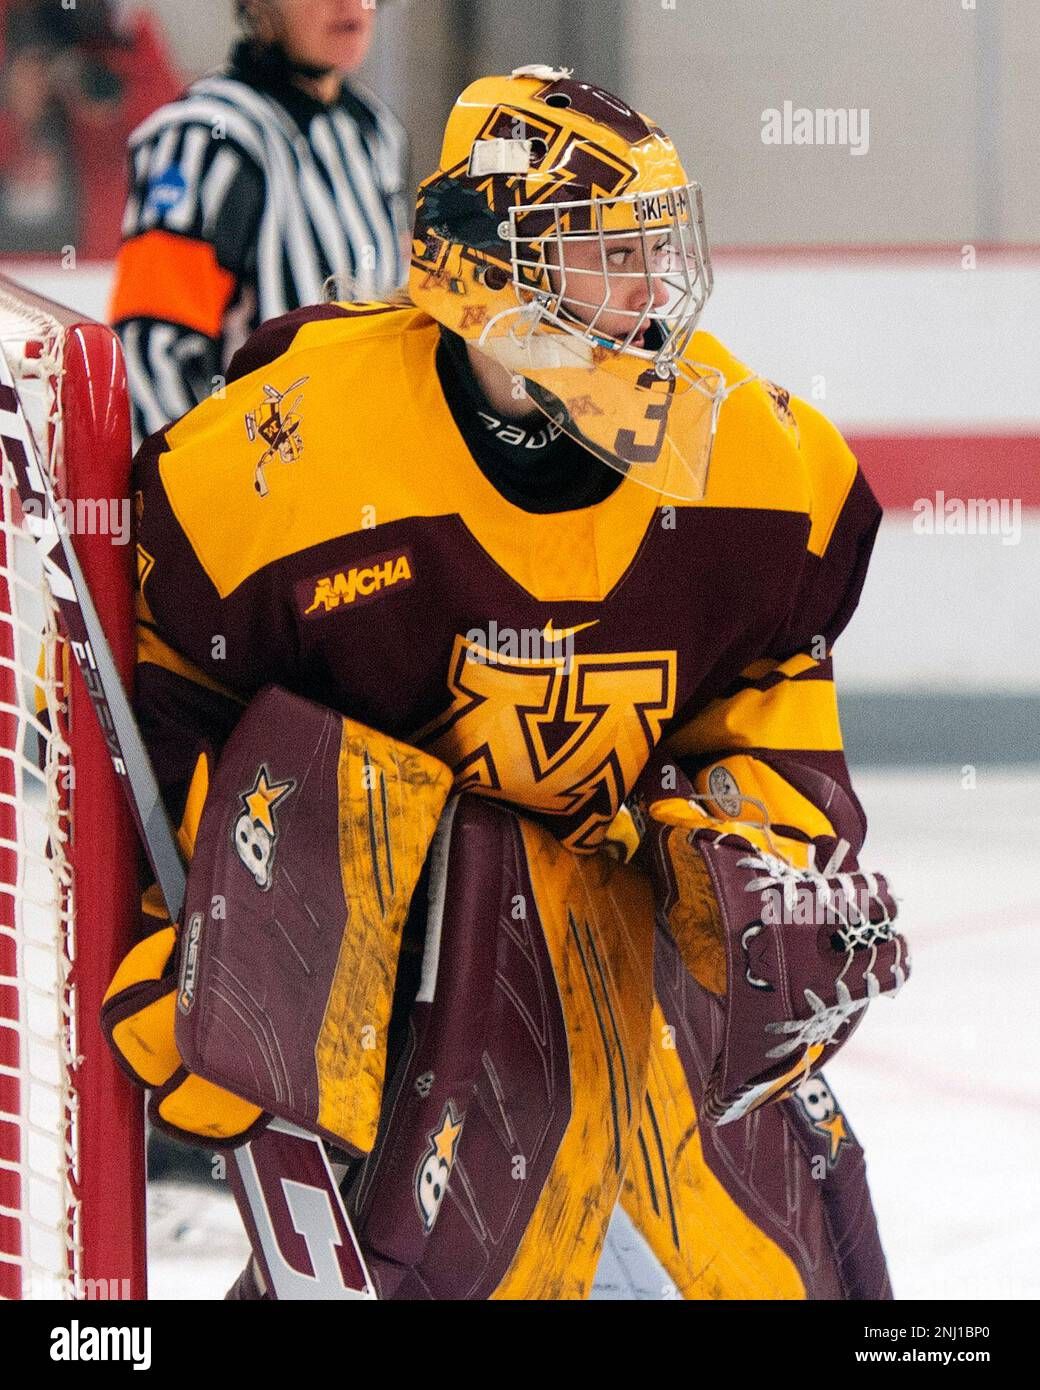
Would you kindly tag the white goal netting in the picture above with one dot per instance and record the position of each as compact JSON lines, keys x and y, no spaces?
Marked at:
{"x":50,"y":783}
{"x":38,"y":1104}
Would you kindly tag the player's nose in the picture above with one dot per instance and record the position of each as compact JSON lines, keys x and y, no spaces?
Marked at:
{"x":661,"y":292}
{"x":646,"y":298}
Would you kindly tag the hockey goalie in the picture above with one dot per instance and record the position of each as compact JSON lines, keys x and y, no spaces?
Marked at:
{"x":485,"y":659}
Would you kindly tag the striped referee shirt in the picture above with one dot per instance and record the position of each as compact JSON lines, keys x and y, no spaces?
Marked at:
{"x":246,"y":195}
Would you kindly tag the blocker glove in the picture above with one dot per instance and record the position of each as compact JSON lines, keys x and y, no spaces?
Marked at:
{"x":139,"y":1011}
{"x":275,"y":996}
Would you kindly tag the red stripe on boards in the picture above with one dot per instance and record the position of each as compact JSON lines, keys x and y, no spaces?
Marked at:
{"x":904,"y":467}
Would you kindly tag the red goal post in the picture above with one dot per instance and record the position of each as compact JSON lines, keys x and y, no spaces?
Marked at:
{"x":72,"y":1173}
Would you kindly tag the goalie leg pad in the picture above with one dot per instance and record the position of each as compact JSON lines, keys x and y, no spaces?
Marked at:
{"x":772,"y":1206}
{"x":508,"y":1125}
{"x":312,"y":841}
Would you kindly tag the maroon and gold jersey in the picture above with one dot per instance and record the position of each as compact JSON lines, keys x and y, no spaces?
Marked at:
{"x":323,"y":526}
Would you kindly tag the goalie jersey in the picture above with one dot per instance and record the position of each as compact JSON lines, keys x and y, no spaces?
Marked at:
{"x":325,"y":525}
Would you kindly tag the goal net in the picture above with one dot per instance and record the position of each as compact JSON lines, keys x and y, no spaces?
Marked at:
{"x":71,"y":1132}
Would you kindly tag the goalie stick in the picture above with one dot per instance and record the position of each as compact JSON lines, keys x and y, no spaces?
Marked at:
{"x":302,"y":1237}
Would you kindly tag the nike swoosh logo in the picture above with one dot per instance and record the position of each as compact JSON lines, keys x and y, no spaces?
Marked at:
{"x":560,"y":634}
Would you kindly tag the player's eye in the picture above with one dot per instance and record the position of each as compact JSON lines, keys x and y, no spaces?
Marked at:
{"x":664,"y":258}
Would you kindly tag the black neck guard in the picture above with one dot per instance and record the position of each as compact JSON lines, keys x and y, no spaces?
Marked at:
{"x":531,"y":462}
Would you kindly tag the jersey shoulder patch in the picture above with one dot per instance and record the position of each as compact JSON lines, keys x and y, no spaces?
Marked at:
{"x":295,"y":447}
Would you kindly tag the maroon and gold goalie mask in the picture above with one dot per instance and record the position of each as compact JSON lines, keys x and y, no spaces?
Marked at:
{"x":562,"y":237}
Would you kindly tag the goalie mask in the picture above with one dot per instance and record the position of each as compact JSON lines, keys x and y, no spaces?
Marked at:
{"x":562,"y":237}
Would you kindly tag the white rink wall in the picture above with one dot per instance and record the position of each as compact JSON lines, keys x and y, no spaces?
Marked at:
{"x":897,"y":344}
{"x":913,"y":344}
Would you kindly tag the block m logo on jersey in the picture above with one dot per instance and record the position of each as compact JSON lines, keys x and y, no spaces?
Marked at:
{"x":560,"y":736}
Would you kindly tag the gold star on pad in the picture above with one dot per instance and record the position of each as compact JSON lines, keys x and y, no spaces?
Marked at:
{"x":836,"y":1132}
{"x":263,"y":797}
{"x":445,"y":1137}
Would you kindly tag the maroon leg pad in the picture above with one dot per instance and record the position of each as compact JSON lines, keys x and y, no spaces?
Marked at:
{"x":484,"y":1078}
{"x":794,"y":1166}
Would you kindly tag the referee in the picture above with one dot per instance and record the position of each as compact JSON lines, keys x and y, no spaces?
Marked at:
{"x":248,"y":192}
